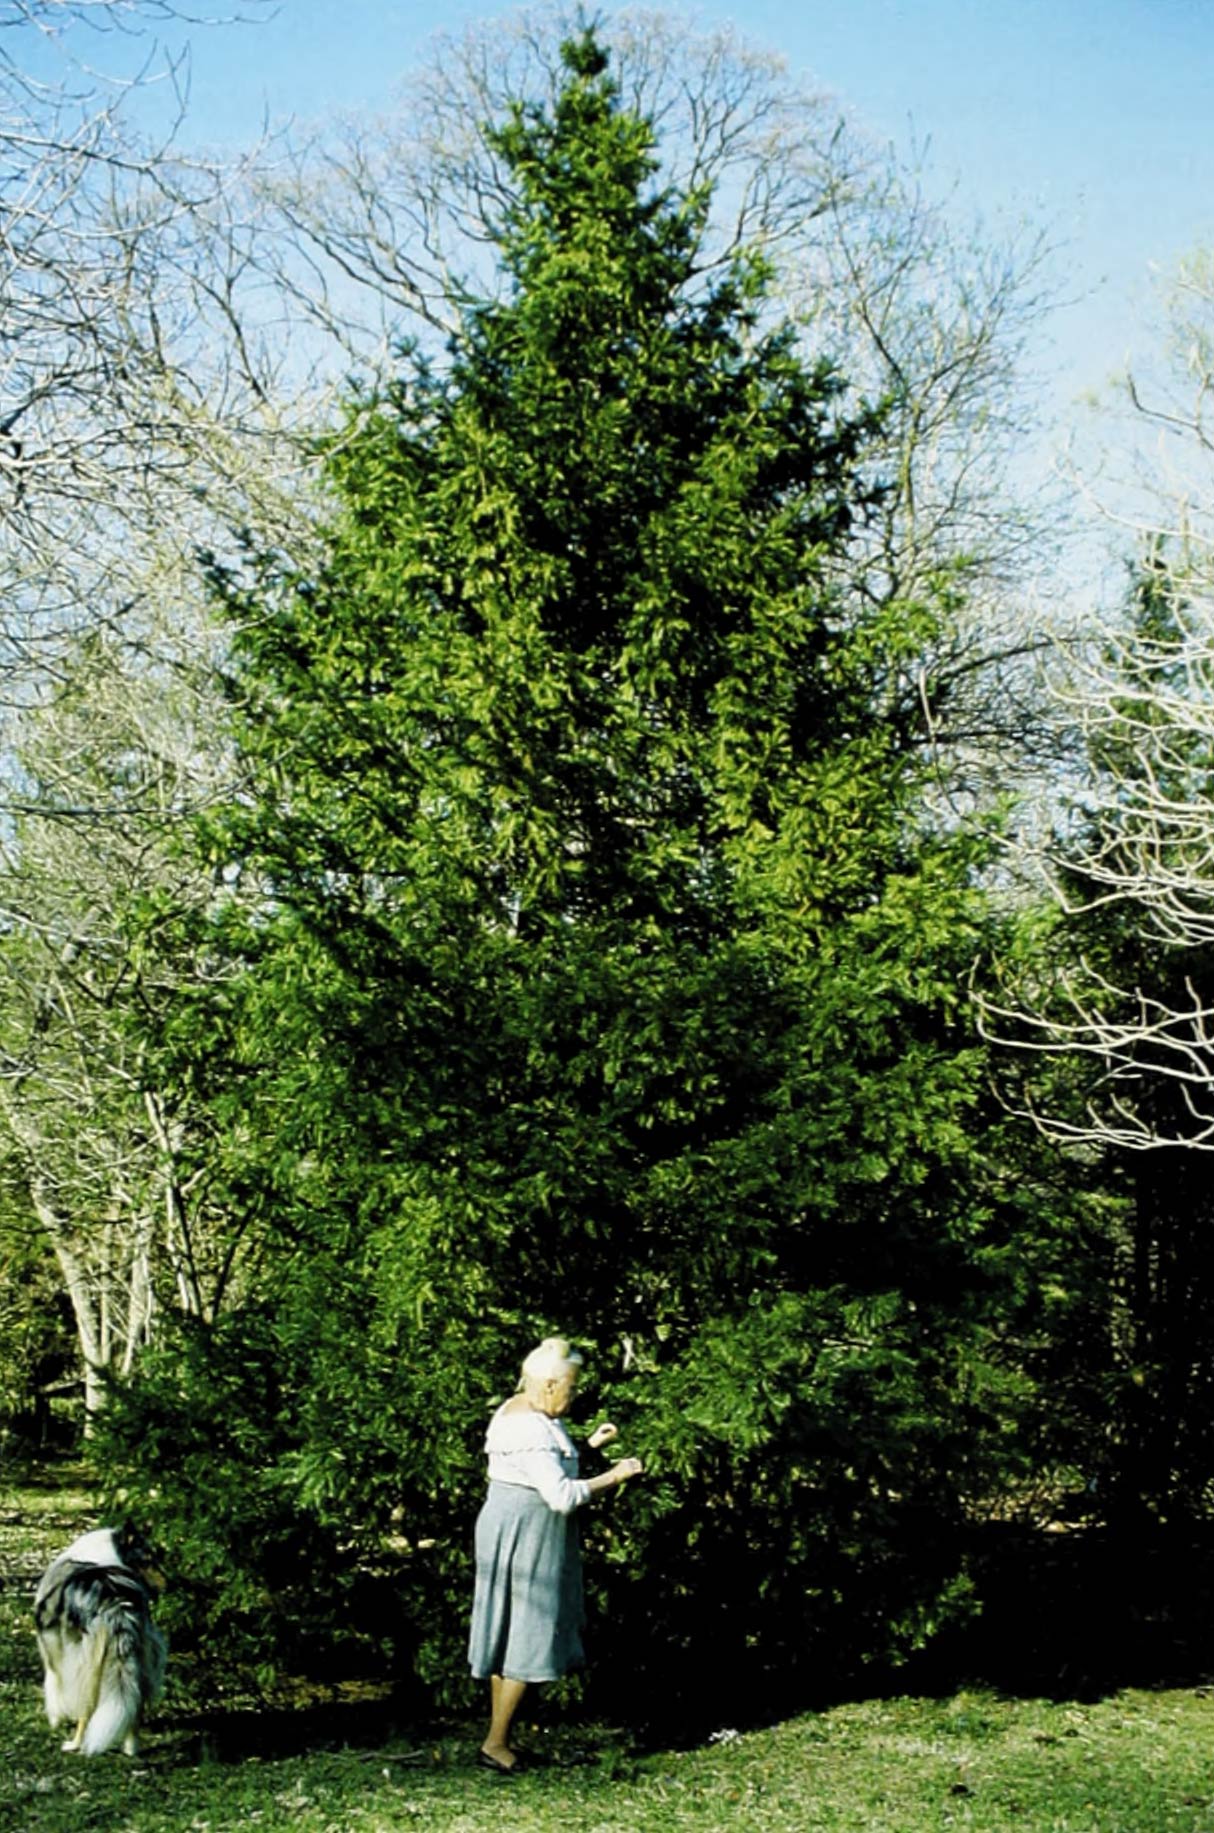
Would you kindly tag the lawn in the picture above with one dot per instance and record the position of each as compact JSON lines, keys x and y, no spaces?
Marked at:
{"x":1134,"y":1762}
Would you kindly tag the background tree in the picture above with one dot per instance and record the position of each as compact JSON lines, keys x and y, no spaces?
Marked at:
{"x":1113,"y":1008}
{"x":1133,"y":833}
{"x":143,"y":411}
{"x":605,"y":971}
{"x":38,"y":1398}
{"x":109,"y":767}
{"x":1114,"y":984}
{"x":109,"y":249}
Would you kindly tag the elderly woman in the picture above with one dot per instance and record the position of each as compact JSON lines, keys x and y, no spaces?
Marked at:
{"x":527,"y":1612}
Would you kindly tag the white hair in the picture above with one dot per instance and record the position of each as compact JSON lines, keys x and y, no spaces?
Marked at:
{"x":549,"y":1361}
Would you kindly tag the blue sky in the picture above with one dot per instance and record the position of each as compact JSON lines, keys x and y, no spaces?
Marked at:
{"x":1095,"y":116}
{"x":1092,"y":116}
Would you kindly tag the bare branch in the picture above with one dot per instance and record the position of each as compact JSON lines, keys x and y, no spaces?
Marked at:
{"x":1134,"y":855}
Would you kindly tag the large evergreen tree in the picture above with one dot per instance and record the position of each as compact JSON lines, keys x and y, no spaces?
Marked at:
{"x":598,"y":973}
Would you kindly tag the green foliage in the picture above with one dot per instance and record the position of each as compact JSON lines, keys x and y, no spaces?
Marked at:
{"x":600,"y":976}
{"x":242,"y":1502}
{"x":37,"y":1346}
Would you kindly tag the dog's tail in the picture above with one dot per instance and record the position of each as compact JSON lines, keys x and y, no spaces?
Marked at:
{"x":127,"y":1656}
{"x":114,"y":1692}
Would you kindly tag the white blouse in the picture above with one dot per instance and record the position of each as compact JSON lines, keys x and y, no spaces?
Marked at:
{"x":534,"y":1451}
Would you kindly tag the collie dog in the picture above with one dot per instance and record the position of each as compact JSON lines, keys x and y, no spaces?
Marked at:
{"x":103,"y":1655}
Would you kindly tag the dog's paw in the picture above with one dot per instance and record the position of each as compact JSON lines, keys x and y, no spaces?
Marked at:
{"x":72,"y":1744}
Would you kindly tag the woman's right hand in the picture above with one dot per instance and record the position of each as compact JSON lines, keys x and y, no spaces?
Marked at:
{"x":627,"y":1467}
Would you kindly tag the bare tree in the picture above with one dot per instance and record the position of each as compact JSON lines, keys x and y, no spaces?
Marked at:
{"x":935,"y":319}
{"x":142,"y":416}
{"x":1137,"y":847}
{"x":109,"y":767}
{"x":119,"y":264}
{"x":391,"y":221}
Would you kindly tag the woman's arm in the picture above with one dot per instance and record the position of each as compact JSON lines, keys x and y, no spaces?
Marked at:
{"x":543,"y":1471}
{"x":619,"y":1473}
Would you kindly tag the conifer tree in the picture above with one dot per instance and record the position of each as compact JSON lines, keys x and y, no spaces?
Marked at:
{"x":600,"y":976}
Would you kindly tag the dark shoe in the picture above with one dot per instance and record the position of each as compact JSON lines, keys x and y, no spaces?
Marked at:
{"x":485,"y":1761}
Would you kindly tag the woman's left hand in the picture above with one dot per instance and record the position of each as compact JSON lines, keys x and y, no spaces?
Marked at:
{"x":602,"y":1435}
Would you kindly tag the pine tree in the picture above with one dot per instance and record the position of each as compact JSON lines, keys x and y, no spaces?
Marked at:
{"x":603,"y":977}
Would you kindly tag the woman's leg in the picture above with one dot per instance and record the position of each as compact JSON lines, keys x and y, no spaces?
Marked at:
{"x":504,"y":1697}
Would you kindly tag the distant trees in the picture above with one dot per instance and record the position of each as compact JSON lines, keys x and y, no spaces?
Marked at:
{"x":1114,"y":1009}
{"x":140,"y":416}
{"x":108,"y":767}
{"x":1131,"y":856}
{"x":602,"y":966}
{"x":37,"y":1339}
{"x":115,"y":274}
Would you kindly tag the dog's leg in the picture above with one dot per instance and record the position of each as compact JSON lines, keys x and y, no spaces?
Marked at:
{"x":130,"y":1745}
{"x":77,"y":1737}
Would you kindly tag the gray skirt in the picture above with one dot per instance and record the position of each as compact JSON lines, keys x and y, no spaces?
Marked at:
{"x":527,"y":1609}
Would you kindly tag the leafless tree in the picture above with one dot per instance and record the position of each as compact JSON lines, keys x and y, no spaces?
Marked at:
{"x":142,"y":416}
{"x":109,"y":767}
{"x":123,"y":351}
{"x":1138,"y":839}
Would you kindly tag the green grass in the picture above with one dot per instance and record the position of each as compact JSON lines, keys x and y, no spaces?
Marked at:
{"x":1135,"y":1762}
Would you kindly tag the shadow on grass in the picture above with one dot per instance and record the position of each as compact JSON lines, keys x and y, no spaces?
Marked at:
{"x":236,"y":1734}
{"x":1079,"y":1614}
{"x":1074,"y":1615}
{"x":383,"y":1731}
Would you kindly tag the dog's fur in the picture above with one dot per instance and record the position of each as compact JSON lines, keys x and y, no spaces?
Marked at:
{"x":103,"y":1655}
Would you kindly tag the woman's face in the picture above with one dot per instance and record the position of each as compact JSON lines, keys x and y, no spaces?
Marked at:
{"x":558,"y":1392}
